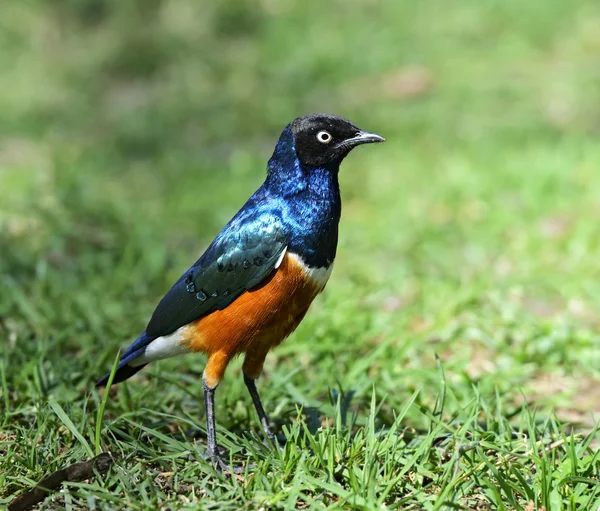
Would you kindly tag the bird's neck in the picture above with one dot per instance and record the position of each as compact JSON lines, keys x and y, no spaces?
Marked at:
{"x":310,"y":200}
{"x":288,"y":177}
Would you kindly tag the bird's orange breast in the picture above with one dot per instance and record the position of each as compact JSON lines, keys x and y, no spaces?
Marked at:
{"x":260,"y":318}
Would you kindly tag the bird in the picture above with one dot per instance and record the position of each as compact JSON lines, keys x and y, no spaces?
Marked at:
{"x":256,"y":280}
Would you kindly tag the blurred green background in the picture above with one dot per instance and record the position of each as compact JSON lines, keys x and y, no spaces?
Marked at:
{"x":131,"y":131}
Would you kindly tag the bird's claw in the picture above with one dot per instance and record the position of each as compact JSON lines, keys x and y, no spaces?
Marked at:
{"x":220,"y":465}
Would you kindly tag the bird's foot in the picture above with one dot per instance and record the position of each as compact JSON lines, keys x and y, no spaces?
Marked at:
{"x":220,"y":465}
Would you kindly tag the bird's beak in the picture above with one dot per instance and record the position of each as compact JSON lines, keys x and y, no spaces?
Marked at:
{"x":364,"y":137}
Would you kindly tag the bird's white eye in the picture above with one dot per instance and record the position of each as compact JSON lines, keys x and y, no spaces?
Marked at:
{"x":324,"y":137}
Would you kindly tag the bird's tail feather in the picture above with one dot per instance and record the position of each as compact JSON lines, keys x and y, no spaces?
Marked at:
{"x":124,"y":371}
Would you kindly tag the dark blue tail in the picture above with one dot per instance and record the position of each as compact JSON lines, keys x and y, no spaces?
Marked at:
{"x":124,"y":370}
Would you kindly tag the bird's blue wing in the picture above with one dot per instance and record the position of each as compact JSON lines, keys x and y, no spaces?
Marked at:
{"x":243,"y":254}
{"x":246,"y":251}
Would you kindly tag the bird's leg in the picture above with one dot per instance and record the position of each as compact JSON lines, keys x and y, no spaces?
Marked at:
{"x":252,"y":369}
{"x":213,"y":374}
{"x":212,"y":453}
{"x":264,"y":420}
{"x":209,"y":403}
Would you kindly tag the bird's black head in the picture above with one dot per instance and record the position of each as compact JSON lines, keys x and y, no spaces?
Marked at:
{"x":324,"y":140}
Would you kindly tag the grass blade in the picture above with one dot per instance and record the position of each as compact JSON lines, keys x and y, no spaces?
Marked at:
{"x":100,"y":412}
{"x":58,"y":410}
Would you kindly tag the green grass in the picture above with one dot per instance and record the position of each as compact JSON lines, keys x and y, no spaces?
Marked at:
{"x":452,"y":361}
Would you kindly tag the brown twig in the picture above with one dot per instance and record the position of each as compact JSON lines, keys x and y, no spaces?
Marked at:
{"x":76,"y":472}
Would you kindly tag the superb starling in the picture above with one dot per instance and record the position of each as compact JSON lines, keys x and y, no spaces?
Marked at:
{"x":255,"y":282}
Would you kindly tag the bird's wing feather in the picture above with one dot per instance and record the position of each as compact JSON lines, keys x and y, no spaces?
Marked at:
{"x":243,"y":254}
